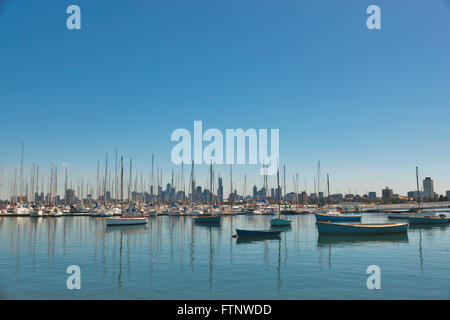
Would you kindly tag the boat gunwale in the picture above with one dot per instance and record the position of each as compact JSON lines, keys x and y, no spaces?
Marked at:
{"x":371,"y":225}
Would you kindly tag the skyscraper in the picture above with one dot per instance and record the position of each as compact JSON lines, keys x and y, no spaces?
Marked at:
{"x":387,"y":193}
{"x":220,"y":190}
{"x":428,"y":189}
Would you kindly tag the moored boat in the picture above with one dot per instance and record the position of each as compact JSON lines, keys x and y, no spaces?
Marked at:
{"x":126,"y":221}
{"x":408,"y":215}
{"x":131,"y":218}
{"x":336,"y":216}
{"x":257,"y":233}
{"x":279,"y":222}
{"x":358,"y":228}
{"x":440,"y":219}
{"x":207,"y":219}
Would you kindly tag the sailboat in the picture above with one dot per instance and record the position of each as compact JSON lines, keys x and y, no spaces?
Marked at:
{"x":208,"y":217}
{"x":426,"y":219}
{"x":330,"y":215}
{"x":279,"y":222}
{"x":123,"y":220}
{"x":407,"y":215}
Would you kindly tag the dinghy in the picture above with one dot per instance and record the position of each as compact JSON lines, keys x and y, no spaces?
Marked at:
{"x":329,"y":215}
{"x":257,"y":233}
{"x":336,"y":216}
{"x":126,"y":221}
{"x":440,"y":219}
{"x":358,"y":228}
{"x":207,"y":219}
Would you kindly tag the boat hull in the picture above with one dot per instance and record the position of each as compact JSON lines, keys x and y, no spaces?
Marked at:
{"x":428,"y":220}
{"x":207,"y":219}
{"x":258,"y":233}
{"x":343,"y":217}
{"x":353,"y":228}
{"x":280,"y":222}
{"x":407,"y":215}
{"x":125,"y":221}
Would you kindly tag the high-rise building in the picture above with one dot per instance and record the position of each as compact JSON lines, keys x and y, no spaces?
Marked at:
{"x":304,"y":198}
{"x":69,"y":197}
{"x":220,"y":190}
{"x":428,"y":189}
{"x":447,"y":194}
{"x":372,"y":195}
{"x":387,"y":193}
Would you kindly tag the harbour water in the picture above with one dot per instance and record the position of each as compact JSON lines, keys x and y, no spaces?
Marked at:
{"x":173,"y":258}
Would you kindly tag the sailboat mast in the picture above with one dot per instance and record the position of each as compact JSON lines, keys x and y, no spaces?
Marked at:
{"x":210,"y":193}
{"x":231,"y":187}
{"x":106,"y":175}
{"x":278,"y":192}
{"x":328,"y":187}
{"x":121,"y":185}
{"x":418,"y":190}
{"x":318,"y":184}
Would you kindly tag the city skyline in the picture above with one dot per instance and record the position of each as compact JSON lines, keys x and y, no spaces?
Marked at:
{"x":37,"y":180}
{"x":370,"y":105}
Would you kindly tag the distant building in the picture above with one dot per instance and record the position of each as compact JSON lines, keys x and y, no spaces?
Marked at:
{"x":304,"y":198}
{"x":428,"y":189}
{"x":387,"y":193}
{"x":69,"y":197}
{"x":372,"y":195}
{"x":220,"y":190}
{"x":413,"y":194}
{"x":447,"y":194}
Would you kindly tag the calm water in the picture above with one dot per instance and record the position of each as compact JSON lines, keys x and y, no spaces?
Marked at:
{"x":172,"y":258}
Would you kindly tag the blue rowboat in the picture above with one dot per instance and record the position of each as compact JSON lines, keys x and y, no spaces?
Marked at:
{"x":441,"y":219}
{"x":278,"y":222}
{"x":358,"y":228}
{"x":257,"y":233}
{"x":407,"y":215}
{"x":337,"y":217}
{"x":207,"y":219}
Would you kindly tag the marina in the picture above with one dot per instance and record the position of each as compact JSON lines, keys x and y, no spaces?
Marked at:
{"x":170,"y":256}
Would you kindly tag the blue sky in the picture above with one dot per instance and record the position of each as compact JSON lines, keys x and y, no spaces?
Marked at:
{"x":371,"y":105}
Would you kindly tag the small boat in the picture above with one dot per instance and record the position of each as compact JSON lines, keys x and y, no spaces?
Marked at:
{"x":357,"y":228}
{"x":330,"y":215}
{"x":125,"y":221}
{"x":207,"y":219}
{"x":336,"y":216}
{"x":279,"y":222}
{"x":429,"y":219}
{"x":407,"y":215}
{"x":257,"y":233}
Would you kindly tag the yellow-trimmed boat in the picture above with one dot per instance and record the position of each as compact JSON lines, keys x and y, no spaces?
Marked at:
{"x":358,"y":228}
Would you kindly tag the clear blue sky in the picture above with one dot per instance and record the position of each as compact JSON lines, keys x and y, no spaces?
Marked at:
{"x":371,"y":105}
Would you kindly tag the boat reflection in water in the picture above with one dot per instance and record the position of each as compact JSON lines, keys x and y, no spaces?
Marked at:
{"x":429,"y":226}
{"x":246,"y":240}
{"x":207,"y":225}
{"x":328,"y":239}
{"x":127,"y":229}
